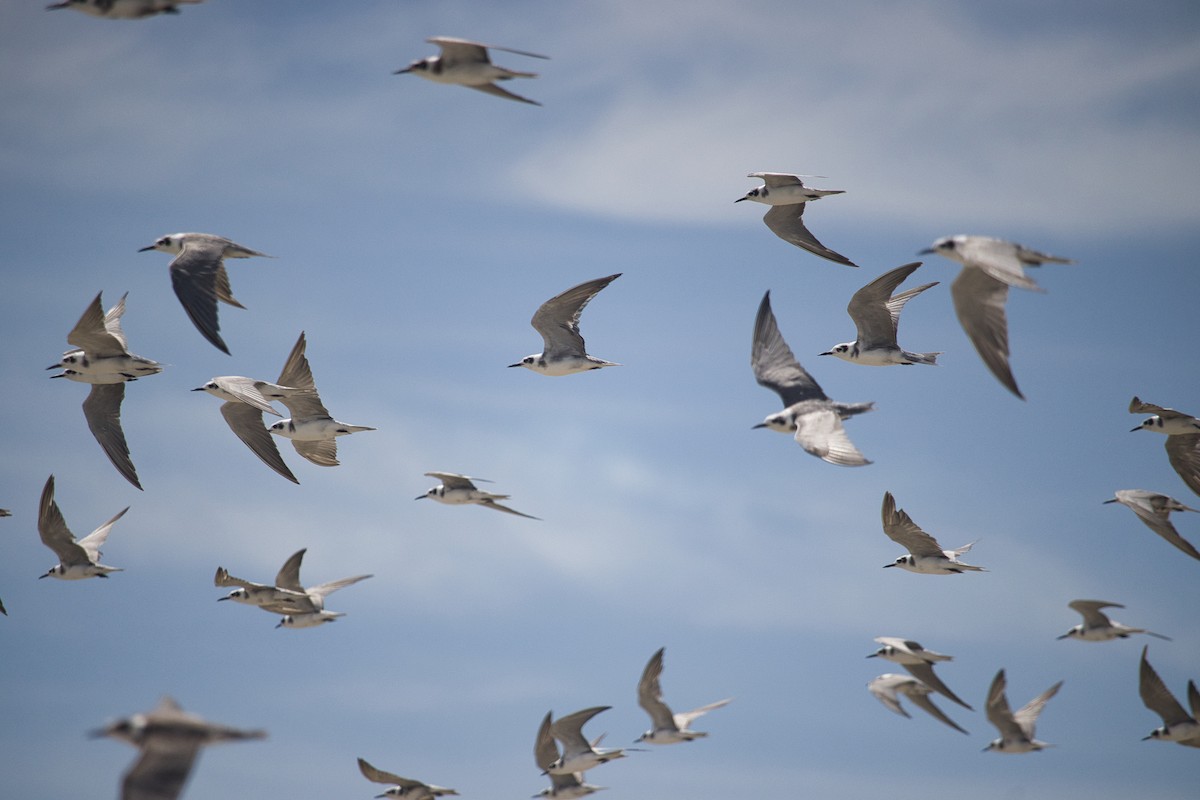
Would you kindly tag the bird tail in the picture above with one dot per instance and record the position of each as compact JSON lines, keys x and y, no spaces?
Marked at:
{"x":922,"y":358}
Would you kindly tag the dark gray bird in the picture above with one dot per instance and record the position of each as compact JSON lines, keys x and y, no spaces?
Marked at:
{"x":169,"y":739}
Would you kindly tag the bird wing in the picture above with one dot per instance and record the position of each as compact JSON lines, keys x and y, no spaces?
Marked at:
{"x":1156,"y":696}
{"x":246,"y":390}
{"x":684,"y":718}
{"x":452,"y":480}
{"x":473,"y":51}
{"x":998,"y":712}
{"x":102,"y":409}
{"x":247,"y":423}
{"x":787,"y":223}
{"x":925,"y":674}
{"x":1183,"y":451}
{"x":493,"y":89}
{"x":545,"y":751}
{"x":380,"y":776}
{"x":819,"y":431}
{"x":92,"y":543}
{"x":999,"y":259}
{"x":223,"y":578}
{"x":1027,"y":716}
{"x":884,"y":690}
{"x":288,"y":576}
{"x":321,"y":590}
{"x":918,"y":693}
{"x":297,"y":374}
{"x":194,"y":276}
{"x":979,"y":303}
{"x":557,"y":319}
{"x":1093,"y":617}
{"x":222,"y":288}
{"x":900,"y":528}
{"x":875,"y":312}
{"x":322,"y":452}
{"x":649,"y":693}
{"x":160,"y":772}
{"x":569,"y":730}
{"x":53,"y":530}
{"x":777,"y":179}
{"x":489,"y":503}
{"x":773,"y":363}
{"x":1157,"y":518}
{"x":99,"y":334}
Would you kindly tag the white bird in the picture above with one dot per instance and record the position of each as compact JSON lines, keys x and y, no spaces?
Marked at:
{"x":199,"y":278}
{"x":1155,"y":509}
{"x":77,"y":559}
{"x":1016,"y":729}
{"x":808,"y":414}
{"x":456,"y":489}
{"x":122,"y":9}
{"x":925,"y":556}
{"x":1178,"y":726}
{"x":876,"y":315}
{"x":557,"y":320}
{"x":579,"y":755}
{"x":980,"y":291}
{"x":888,"y":687}
{"x":407,"y":788}
{"x":466,"y":63}
{"x":246,"y":400}
{"x":1096,"y":625}
{"x":1183,"y":438}
{"x":667,"y":727}
{"x":309,"y":620}
{"x":287,"y":596}
{"x":311,"y":428}
{"x":918,"y":661}
{"x":170,"y":740}
{"x":102,"y":359}
{"x":787,"y":195}
{"x":563,"y":786}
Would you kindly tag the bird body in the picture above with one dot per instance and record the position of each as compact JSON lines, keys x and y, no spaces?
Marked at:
{"x":1154,"y":510}
{"x":668,"y":727}
{"x":925,"y":555}
{"x":466,"y":63}
{"x":246,"y":400}
{"x":876,"y":314}
{"x":1098,"y":627}
{"x":1016,"y":728}
{"x":1178,"y":725}
{"x":406,"y":788}
{"x":557,"y":320}
{"x":78,"y":559}
{"x":457,"y":490}
{"x":122,"y":9}
{"x":888,"y":687}
{"x":288,"y":596}
{"x":579,"y":755}
{"x":564,"y":785}
{"x":787,"y":195}
{"x":918,"y":661}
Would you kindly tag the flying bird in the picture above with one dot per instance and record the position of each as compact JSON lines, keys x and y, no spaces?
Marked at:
{"x":456,"y":489}
{"x":169,"y":740}
{"x":288,"y":596}
{"x":1016,"y":729}
{"x":467,"y":64}
{"x":102,"y":359}
{"x":557,"y":320}
{"x":77,"y":559}
{"x":312,"y":430}
{"x":808,"y":414}
{"x":579,"y":755}
{"x":925,"y":556}
{"x":980,"y":291}
{"x":1178,"y":725}
{"x":1096,"y":625}
{"x":888,"y":687}
{"x":787,"y":195}
{"x":667,"y":727}
{"x":199,"y":278}
{"x":563,"y":786}
{"x":407,"y":788}
{"x":1183,"y":438}
{"x":122,"y":9}
{"x":918,"y":661}
{"x":1155,"y":509}
{"x":876,"y":314}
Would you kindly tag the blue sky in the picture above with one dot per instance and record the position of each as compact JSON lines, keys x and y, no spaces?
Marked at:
{"x":417,"y":227}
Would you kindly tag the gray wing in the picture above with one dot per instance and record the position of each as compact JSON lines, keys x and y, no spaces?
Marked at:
{"x":545,"y":751}
{"x":487,"y":503}
{"x":773,"y":363}
{"x":321,"y":590}
{"x":93,"y":334}
{"x":875,"y":312}
{"x":247,"y":422}
{"x":884,"y":688}
{"x":159,"y":772}
{"x":819,"y":430}
{"x":288,"y":576}
{"x":376,"y":775}
{"x":787,"y":223}
{"x":223,"y":578}
{"x":92,"y":543}
{"x":465,"y":50}
{"x":1156,"y":696}
{"x":246,"y":390}
{"x":322,"y":452}
{"x":1157,"y":518}
{"x":919,"y":695}
{"x":924,"y":673}
{"x":452,"y":480}
{"x":53,"y":530}
{"x":1093,"y":617}
{"x":297,"y":374}
{"x":1004,"y":261}
{"x":998,"y":712}
{"x":1183,"y":451}
{"x":194,"y":276}
{"x":649,"y":693}
{"x":557,"y":319}
{"x":1137,"y":406}
{"x":776,"y":179}
{"x":900,"y":528}
{"x":979,"y":303}
{"x":569,"y":730}
{"x":102,"y":409}
{"x":1027,"y":716}
{"x":493,"y":89}
{"x":222,"y":288}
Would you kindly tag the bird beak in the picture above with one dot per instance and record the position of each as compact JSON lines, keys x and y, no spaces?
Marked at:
{"x":47,"y":575}
{"x":826,"y":353}
{"x":740,"y":199}
{"x":926,"y":251}
{"x":511,"y":365}
{"x":1135,"y":430}
{"x":279,"y":624}
{"x":1145,"y":738}
{"x":198,"y":389}
{"x":53,"y":366}
{"x":885,"y":566}
{"x":759,"y":425}
{"x":402,"y":71}
{"x":1114,"y":500}
{"x":219,"y":599}
{"x":144,"y":249}
{"x":422,"y":497}
{"x":873,"y":655}
{"x":1064,"y":636}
